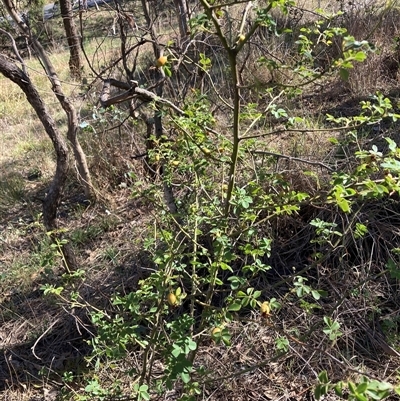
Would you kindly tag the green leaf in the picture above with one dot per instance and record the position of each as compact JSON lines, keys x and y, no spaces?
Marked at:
{"x":218,"y":281}
{"x":167,"y":71}
{"x":245,"y":301}
{"x":379,"y":386}
{"x":360,"y":56}
{"x":317,"y":392}
{"x":185,"y":377}
{"x":378,"y":390}
{"x":234,"y":307}
{"x":393,"y":165}
{"x":339,"y":389}
{"x":225,"y":266}
{"x":360,"y":230}
{"x":236,"y":282}
{"x":392,"y":144}
{"x":143,"y":392}
{"x":226,"y":337}
{"x":177,"y":350}
{"x":352,"y":386}
{"x":335,"y":326}
{"x":323,"y":377}
{"x":362,"y":387}
{"x":282,"y":344}
{"x":145,"y":396}
{"x":192,"y":345}
{"x":344,"y":205}
{"x":274,"y":304}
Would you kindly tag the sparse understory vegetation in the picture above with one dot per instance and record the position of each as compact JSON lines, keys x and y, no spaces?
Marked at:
{"x":207,"y":208}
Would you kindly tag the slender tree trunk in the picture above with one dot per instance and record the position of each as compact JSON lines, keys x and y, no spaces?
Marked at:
{"x":83,"y":170}
{"x":158,"y":126}
{"x":150,"y":26}
{"x":169,"y":197}
{"x":182,"y":16}
{"x":75,"y":63}
{"x":54,"y":194}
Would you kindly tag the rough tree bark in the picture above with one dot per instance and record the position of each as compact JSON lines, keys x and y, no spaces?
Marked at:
{"x":83,"y":170}
{"x":52,"y":200}
{"x":158,"y":52}
{"x":182,"y":14}
{"x":75,"y":62}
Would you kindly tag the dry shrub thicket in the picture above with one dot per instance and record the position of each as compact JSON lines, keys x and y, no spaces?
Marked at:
{"x":41,"y":339}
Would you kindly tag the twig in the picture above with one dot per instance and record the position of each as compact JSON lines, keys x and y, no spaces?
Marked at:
{"x":278,"y":155}
{"x":45,"y":332}
{"x":132,"y":91}
{"x":301,"y":130}
{"x":14,"y":46}
{"x":244,"y":16}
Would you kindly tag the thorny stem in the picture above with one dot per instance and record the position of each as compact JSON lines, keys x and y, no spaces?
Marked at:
{"x":232,"y":55}
{"x":194,"y":259}
{"x":233,"y":51}
{"x":236,"y":129}
{"x":156,"y":330}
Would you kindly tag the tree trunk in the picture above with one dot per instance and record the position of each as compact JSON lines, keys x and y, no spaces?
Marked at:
{"x":54,"y":194}
{"x":182,"y":16}
{"x":83,"y":170}
{"x":158,"y":126}
{"x":75,"y":63}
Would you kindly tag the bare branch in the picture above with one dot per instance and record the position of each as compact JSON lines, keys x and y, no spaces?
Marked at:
{"x":14,"y":46}
{"x":132,"y":91}
{"x":297,"y":159}
{"x":302,"y":130}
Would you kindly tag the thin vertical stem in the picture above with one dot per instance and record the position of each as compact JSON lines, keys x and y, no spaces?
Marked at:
{"x":232,"y":54}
